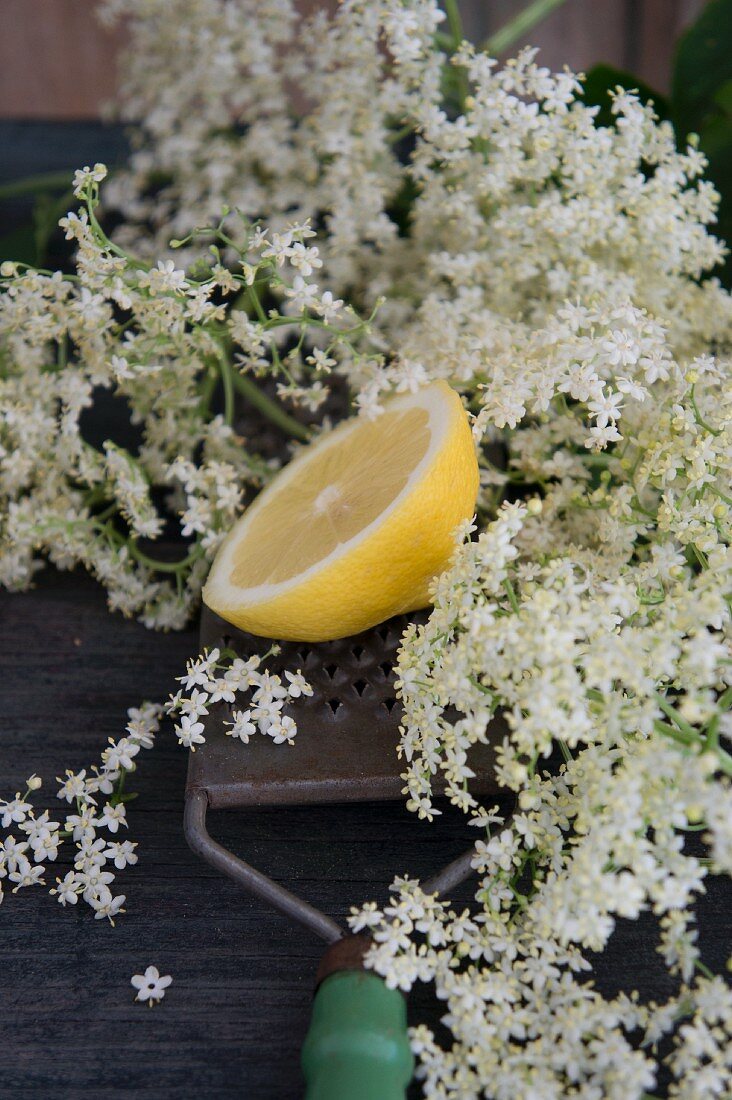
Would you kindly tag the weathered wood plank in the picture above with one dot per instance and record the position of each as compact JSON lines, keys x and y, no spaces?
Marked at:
{"x":652,"y":31}
{"x":233,"y":1020}
{"x":58,"y":62}
{"x":56,"y":59}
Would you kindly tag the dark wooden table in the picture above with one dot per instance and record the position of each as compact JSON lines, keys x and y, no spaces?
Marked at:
{"x":232,"y":1022}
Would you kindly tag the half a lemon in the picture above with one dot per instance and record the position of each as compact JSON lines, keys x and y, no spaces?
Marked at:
{"x":353,"y":530}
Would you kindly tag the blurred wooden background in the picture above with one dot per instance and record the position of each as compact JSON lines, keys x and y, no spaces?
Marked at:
{"x":57,"y":62}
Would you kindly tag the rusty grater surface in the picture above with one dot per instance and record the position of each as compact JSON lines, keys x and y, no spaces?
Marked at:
{"x":348,"y":730}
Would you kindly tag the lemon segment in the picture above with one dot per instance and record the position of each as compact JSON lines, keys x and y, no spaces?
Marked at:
{"x":353,"y":530}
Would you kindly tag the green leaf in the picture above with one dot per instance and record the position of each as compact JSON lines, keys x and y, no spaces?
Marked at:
{"x":603,"y":79}
{"x":703,"y":70}
{"x":28,"y":242}
{"x":46,"y":213}
{"x":701,"y":101}
{"x":19,"y":245}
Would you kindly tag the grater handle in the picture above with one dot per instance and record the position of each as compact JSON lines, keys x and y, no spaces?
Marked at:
{"x":357,"y":1045}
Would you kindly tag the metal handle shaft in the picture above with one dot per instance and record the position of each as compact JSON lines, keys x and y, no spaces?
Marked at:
{"x":248,"y":877}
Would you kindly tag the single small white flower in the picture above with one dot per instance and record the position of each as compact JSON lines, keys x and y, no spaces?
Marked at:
{"x":328,"y":306}
{"x":120,"y":754}
{"x":266,"y":712}
{"x":12,"y":851}
{"x":269,"y":687}
{"x":101,"y":782}
{"x":112,"y":817}
{"x":190,"y":732}
{"x":73,"y":786}
{"x":67,"y":889}
{"x":298,"y":685}
{"x":122,"y":854}
{"x":198,"y":672}
{"x":282,"y":729}
{"x":83,"y":824}
{"x":195,"y":703}
{"x":242,"y":728}
{"x":91,"y":852}
{"x":151,"y":985}
{"x":222,"y":690}
{"x":15,"y":811}
{"x":108,"y":907}
{"x":87,"y":175}
{"x":96,"y":885}
{"x":25,"y":874}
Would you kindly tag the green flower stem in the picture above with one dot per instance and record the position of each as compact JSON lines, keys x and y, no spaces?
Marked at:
{"x":31,"y":185}
{"x":165,"y":566}
{"x":208,"y":386}
{"x":456,"y":79}
{"x":700,"y":557}
{"x":675,"y":734}
{"x":255,"y":302}
{"x":599,"y":459}
{"x":397,"y":135}
{"x":675,"y":717}
{"x":520,"y":25}
{"x":119,"y":791}
{"x":720,"y":494}
{"x":725,"y":701}
{"x":454,"y":22}
{"x":269,"y":408}
{"x":681,"y":738}
{"x":107,"y":512}
{"x":107,"y":245}
{"x":511,"y":595}
{"x":713,"y":733}
{"x":227,"y":379}
{"x":699,"y":418}
{"x":313,"y":322}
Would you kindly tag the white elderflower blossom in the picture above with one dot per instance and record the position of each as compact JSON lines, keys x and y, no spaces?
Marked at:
{"x":224,"y":679}
{"x":122,"y":854}
{"x":430,"y":216}
{"x":151,"y":985}
{"x":90,"y":879}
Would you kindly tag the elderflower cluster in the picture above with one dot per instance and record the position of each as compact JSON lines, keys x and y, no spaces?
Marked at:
{"x":179,"y":350}
{"x":349,"y":205}
{"x":215,"y":678}
{"x":525,"y":1021}
{"x":99,"y":803}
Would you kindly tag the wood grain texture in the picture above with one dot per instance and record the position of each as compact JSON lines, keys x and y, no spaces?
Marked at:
{"x":577,"y":34}
{"x":636,"y":35}
{"x":652,"y":36}
{"x":239,"y":1005}
{"x":233,"y":1020}
{"x":58,"y":62}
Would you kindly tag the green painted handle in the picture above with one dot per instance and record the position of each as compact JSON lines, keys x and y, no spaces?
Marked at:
{"x":357,"y":1047}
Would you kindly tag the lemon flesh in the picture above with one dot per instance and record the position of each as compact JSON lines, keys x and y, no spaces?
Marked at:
{"x":353,"y":530}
